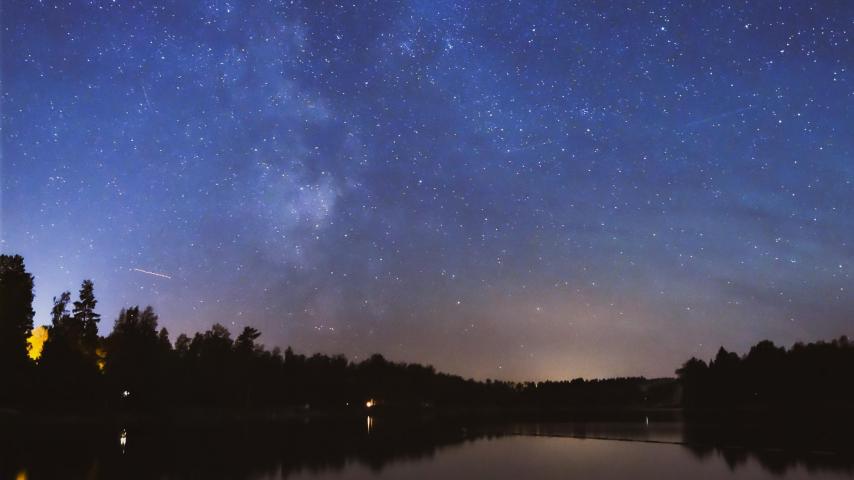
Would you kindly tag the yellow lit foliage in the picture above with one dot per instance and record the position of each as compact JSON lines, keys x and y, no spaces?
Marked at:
{"x":36,"y":342}
{"x":102,"y":358}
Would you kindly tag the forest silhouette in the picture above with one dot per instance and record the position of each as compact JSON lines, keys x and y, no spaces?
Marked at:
{"x":138,"y":368}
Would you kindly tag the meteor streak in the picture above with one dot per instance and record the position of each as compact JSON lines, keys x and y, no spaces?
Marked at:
{"x":151,"y":273}
{"x":147,"y":101}
{"x":717,"y":117}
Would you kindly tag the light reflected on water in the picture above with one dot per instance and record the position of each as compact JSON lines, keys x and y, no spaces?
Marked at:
{"x":558,"y":458}
{"x":123,"y":439}
{"x":361,"y":449}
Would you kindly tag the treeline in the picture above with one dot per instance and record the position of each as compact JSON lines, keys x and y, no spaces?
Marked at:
{"x":139,"y":366}
{"x":806,"y":375}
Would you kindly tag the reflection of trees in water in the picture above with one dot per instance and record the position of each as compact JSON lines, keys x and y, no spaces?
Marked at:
{"x":776,"y":461}
{"x":243,"y":451}
{"x":821,"y":445}
{"x":776,"y":446}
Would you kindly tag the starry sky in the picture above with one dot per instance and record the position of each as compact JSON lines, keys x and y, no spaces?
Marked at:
{"x":513,"y":189}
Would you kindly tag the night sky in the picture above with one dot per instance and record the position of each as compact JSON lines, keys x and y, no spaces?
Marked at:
{"x":518,"y":190}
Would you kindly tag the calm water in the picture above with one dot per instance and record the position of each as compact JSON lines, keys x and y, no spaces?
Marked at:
{"x":374,"y":449}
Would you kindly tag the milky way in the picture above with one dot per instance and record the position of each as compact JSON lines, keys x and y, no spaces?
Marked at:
{"x":511,"y":190}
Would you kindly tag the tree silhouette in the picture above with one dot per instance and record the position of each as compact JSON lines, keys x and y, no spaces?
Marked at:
{"x":67,"y":367}
{"x":134,"y":358}
{"x":245,"y":343}
{"x":815,"y":375}
{"x":84,"y":314}
{"x":16,"y":324}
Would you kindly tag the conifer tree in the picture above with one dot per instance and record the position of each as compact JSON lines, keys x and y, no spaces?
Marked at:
{"x":85,"y":315}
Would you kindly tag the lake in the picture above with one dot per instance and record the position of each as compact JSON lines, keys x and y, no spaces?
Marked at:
{"x":373,"y":448}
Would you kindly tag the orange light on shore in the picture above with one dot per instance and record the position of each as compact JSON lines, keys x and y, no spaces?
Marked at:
{"x":102,"y":358}
{"x":36,"y":341}
{"x":370,"y":403}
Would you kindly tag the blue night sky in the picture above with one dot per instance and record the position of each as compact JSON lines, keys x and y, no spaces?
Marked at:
{"x":517,"y":190}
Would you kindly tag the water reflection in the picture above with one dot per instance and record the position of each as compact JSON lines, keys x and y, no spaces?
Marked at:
{"x":778,"y":447}
{"x":423,"y":449}
{"x":123,"y":439}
